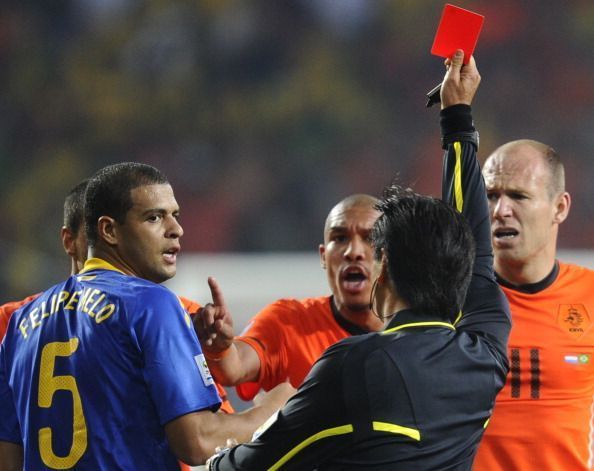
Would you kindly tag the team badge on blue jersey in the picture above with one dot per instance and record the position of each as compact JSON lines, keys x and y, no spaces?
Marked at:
{"x":204,"y":371}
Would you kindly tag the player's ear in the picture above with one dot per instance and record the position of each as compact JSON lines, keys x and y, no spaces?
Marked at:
{"x":68,"y":241}
{"x":562,"y":205}
{"x":107,"y":230}
{"x":383,"y":275}
{"x":322,"y":250}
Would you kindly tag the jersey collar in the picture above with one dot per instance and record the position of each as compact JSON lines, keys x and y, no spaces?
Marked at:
{"x":98,"y":264}
{"x":351,"y":328}
{"x":532,"y":288}
{"x":406,"y":319}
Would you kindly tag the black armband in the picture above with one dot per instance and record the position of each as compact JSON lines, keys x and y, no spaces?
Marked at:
{"x":456,"y":125}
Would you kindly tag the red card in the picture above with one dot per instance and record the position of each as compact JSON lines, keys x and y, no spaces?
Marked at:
{"x":458,"y":29}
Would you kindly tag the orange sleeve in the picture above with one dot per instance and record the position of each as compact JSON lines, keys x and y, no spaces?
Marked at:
{"x":266,"y":335}
{"x":6,"y":311}
{"x":190,"y":306}
{"x":4,"y":318}
{"x":288,"y":337}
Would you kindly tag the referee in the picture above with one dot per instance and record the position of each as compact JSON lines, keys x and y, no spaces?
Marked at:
{"x":418,"y":395}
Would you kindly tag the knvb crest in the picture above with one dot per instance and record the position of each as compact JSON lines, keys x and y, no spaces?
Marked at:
{"x":574,"y":319}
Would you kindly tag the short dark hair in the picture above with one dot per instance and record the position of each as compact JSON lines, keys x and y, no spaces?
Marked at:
{"x":429,"y":249}
{"x":108,"y":192}
{"x":74,"y":207}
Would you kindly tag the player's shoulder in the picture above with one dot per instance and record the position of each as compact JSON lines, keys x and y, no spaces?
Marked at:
{"x":147,"y":291}
{"x":127,"y":285}
{"x":291,"y":306}
{"x":352,"y":352}
{"x":124,"y":289}
{"x":356,"y":344}
{"x":8,"y":308}
{"x":189,"y":305}
{"x":574,"y":271}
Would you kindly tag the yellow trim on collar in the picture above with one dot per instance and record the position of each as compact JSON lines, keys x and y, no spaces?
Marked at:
{"x":98,"y":263}
{"x":419,"y":324}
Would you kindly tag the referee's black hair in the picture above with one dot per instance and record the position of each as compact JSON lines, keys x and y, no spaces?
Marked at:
{"x":108,"y":193}
{"x":429,"y":249}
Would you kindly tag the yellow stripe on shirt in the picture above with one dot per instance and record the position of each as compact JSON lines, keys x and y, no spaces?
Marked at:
{"x":397,"y":429}
{"x":458,"y":194}
{"x":341,"y":430}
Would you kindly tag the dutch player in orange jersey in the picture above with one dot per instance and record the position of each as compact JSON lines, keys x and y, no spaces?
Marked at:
{"x":543,"y":417}
{"x":284,"y":339}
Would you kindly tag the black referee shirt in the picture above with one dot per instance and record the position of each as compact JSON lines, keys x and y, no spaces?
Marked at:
{"x":416,"y":396}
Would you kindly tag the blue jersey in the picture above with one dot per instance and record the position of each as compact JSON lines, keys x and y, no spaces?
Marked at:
{"x":92,"y":370}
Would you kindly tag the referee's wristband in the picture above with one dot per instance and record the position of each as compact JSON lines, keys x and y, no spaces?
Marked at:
{"x":456,"y":125}
{"x":470,"y":136}
{"x":217,"y":356}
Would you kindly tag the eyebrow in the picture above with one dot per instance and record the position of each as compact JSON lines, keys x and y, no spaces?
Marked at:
{"x":337,"y":228}
{"x":146,"y":212}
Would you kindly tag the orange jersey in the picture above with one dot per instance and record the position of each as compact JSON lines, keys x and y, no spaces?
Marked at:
{"x":7,"y":309}
{"x":289,"y":335}
{"x":543,"y":418}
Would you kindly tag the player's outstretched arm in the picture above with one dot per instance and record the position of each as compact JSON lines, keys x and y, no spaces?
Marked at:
{"x":195,"y":437}
{"x":231,"y":362}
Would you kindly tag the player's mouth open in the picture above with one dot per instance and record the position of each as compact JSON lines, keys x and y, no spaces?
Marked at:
{"x":354,"y":279}
{"x":170,"y":255}
{"x":505,"y":234}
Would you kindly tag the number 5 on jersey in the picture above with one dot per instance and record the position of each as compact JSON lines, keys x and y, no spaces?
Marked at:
{"x":48,"y":385}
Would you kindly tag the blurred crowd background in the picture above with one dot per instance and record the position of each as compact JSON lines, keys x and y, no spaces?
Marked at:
{"x":264,"y":113}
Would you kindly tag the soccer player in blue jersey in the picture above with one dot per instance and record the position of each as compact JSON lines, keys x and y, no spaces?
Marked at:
{"x":104,"y":371}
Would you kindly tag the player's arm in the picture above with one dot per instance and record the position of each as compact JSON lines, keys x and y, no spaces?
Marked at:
{"x":11,"y":449}
{"x":180,"y":384}
{"x":486,"y":310}
{"x":8,"y":309}
{"x":232,"y":362}
{"x":314,"y":425}
{"x":194,"y":437}
{"x":11,"y":457}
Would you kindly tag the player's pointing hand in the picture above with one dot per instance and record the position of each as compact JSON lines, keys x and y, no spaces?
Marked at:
{"x":213,"y":323}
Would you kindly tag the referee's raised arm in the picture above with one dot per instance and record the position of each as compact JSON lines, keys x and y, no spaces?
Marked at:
{"x":486,"y":310}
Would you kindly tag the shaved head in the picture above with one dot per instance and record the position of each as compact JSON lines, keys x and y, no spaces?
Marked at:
{"x":358,"y":200}
{"x":549,"y":156}
{"x":347,"y":257}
